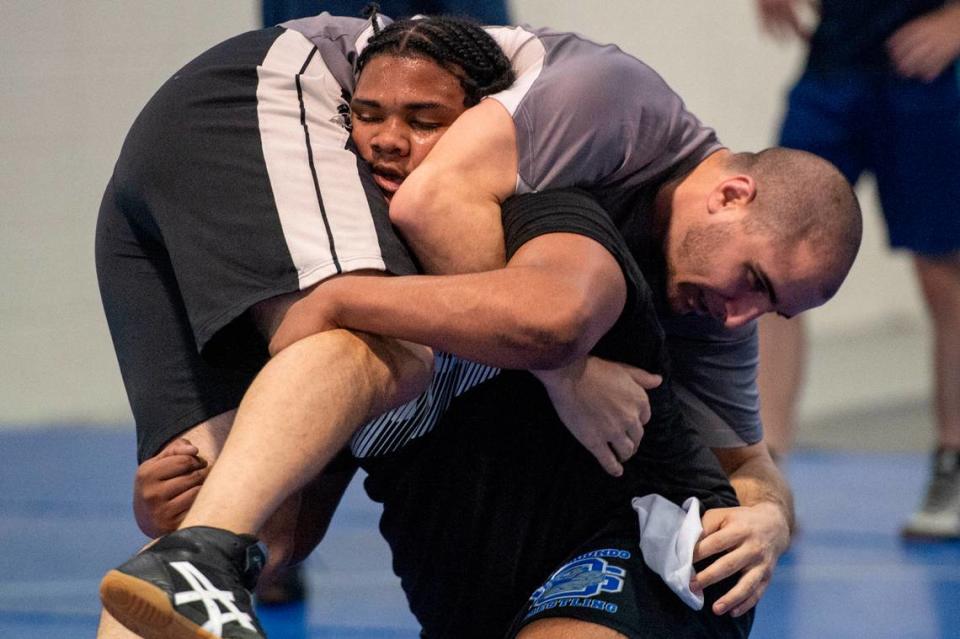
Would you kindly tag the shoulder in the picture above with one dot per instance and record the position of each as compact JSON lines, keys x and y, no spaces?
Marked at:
{"x":353,"y":31}
{"x":569,"y":69}
{"x":332,"y":43}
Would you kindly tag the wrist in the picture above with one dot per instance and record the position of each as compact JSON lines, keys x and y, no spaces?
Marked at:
{"x":781,"y":512}
{"x":337,"y":308}
{"x":559,"y":379}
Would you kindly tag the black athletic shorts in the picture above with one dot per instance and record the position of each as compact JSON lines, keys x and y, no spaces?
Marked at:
{"x":236,"y":183}
{"x":493,"y":515}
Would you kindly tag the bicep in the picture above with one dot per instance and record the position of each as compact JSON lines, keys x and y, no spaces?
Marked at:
{"x":585,"y":276}
{"x":605,"y":269}
{"x":574,"y":257}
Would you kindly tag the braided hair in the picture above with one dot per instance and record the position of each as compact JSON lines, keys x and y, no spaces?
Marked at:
{"x":459,"y":45}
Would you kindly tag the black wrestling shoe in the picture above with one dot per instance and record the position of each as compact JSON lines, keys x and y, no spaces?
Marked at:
{"x":194,"y":583}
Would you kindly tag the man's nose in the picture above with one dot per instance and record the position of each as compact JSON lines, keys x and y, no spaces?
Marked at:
{"x":391,"y":139}
{"x":745,"y":309}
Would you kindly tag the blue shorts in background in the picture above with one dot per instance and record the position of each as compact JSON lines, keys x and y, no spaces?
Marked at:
{"x":905,"y":132}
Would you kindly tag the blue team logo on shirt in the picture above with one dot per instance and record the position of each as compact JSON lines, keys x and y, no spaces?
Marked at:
{"x":586,"y":576}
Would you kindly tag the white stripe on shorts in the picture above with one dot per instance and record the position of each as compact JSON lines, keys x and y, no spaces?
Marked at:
{"x":394,"y":429}
{"x":321,"y":203}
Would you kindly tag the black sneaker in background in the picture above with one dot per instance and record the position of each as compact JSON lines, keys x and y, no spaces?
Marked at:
{"x":194,"y":583}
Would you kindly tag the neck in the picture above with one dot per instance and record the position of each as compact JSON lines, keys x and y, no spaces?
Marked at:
{"x":663,"y":209}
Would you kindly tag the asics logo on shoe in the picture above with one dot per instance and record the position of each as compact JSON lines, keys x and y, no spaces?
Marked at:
{"x":212,"y":598}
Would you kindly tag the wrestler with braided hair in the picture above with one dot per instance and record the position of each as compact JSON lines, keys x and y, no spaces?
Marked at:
{"x":440,"y":66}
{"x":457,"y":44}
{"x":267,"y":170}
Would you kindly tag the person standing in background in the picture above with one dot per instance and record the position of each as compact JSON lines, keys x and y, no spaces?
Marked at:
{"x":483,"y":11}
{"x":880,"y":93}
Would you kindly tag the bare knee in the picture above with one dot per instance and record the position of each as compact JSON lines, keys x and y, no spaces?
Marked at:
{"x":410,"y":368}
{"x":384,"y":372}
{"x":561,"y":628}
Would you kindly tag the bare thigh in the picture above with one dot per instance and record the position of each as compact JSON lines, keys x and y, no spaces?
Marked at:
{"x":279,"y":533}
{"x":567,"y":629}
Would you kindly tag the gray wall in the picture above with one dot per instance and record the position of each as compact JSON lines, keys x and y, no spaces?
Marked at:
{"x":75,"y":74}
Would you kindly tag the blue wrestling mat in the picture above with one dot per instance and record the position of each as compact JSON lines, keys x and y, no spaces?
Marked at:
{"x":65,"y":519}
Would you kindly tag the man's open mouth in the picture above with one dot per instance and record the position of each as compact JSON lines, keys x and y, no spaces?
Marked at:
{"x":387,"y":179}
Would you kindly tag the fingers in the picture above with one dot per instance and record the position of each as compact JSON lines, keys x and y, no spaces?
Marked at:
{"x":643,"y":416}
{"x":626,"y":444}
{"x":623,"y":446}
{"x":608,"y":460}
{"x":173,"y":488}
{"x":635,"y":433}
{"x":157,"y":495}
{"x":645,"y":379}
{"x":745,"y":541}
{"x":177,"y":508}
{"x":909,"y":55}
{"x":745,"y":594}
{"x":170,"y":466}
{"x":160,"y":505}
{"x":179,"y":446}
{"x":740,"y":557}
{"x":725,"y":566}
{"x":716,"y":543}
{"x":158,"y":516}
{"x":922,"y":49}
{"x":712,"y":540}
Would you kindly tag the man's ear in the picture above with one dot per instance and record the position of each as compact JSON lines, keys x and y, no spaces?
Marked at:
{"x":733,"y":191}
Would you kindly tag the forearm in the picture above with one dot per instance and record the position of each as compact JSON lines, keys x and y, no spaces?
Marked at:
{"x":758,"y":482}
{"x":476,"y":317}
{"x":534,"y":314}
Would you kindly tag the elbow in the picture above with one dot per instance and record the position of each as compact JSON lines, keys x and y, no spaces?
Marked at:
{"x":410,"y":206}
{"x":570,"y":330}
{"x":559,"y":339}
{"x":568,"y":307}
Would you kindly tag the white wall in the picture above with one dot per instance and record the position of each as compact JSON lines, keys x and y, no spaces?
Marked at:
{"x":75,"y":74}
